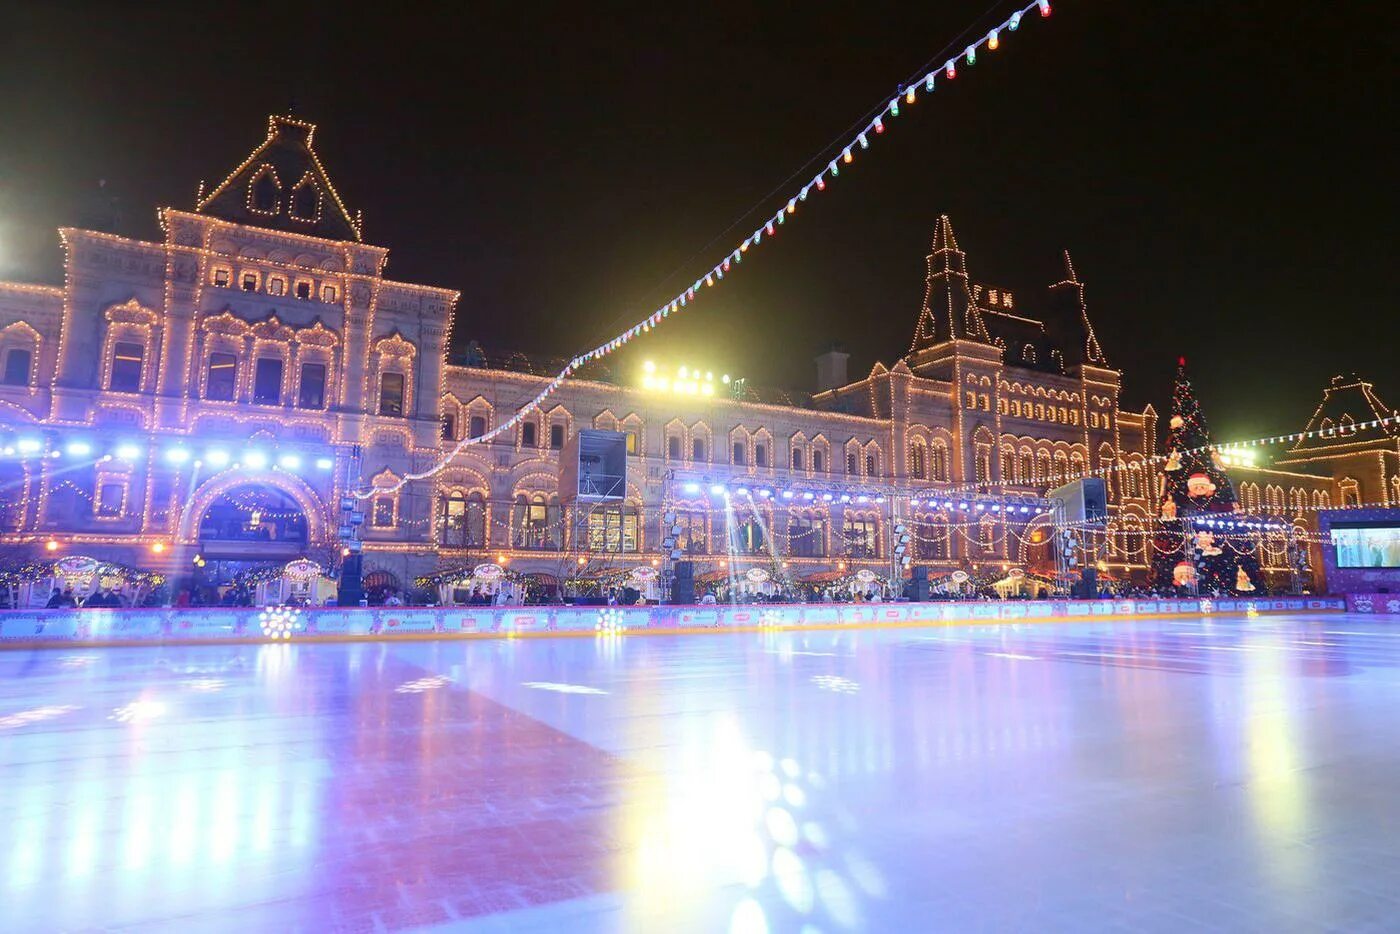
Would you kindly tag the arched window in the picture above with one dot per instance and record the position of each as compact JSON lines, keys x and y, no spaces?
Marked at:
{"x":939,"y":460}
{"x":391,"y":387}
{"x":796,"y":458}
{"x":697,"y":450}
{"x":1351,"y":493}
{"x":871,"y":467}
{"x":476,"y":426}
{"x":263,"y":197}
{"x":1027,"y":466}
{"x":932,"y":538}
{"x":918,"y":468}
{"x":737,"y":454}
{"x":528,"y":435}
{"x":806,"y":536}
{"x":1008,"y":465}
{"x":306,"y":201}
{"x":818,"y":460}
{"x":852,"y":463}
{"x":536,"y":522}
{"x":862,"y":536}
{"x":673,"y":448}
{"x":1028,"y":354}
{"x":462,"y":522}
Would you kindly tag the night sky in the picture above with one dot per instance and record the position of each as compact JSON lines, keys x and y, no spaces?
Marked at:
{"x":1217,"y":170}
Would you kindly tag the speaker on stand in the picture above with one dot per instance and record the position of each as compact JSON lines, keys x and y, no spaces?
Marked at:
{"x":683,"y":583}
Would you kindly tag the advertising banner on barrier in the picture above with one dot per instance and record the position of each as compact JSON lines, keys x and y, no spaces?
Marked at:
{"x":345,"y":622}
{"x":222,"y":622}
{"x":210,"y":623}
{"x":20,"y":625}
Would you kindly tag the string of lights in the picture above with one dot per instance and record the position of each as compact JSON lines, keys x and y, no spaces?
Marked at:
{"x":767,"y":228}
{"x":1224,"y":448}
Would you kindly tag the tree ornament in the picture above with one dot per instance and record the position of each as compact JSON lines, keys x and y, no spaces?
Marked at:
{"x":1168,"y":509}
{"x":1242,"y":582}
{"x":1176,"y":421}
{"x":1198,"y":485}
{"x":1205,"y":541}
{"x":1173,"y":461}
{"x":1184,"y":574}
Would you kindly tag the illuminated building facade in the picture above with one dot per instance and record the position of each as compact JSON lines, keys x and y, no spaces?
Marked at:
{"x":222,"y":391}
{"x":217,"y":392}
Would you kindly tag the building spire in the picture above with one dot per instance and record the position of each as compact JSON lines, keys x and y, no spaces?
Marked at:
{"x":1074,"y":290}
{"x":949,"y":311}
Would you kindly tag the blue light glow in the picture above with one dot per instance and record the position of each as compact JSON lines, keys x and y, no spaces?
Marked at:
{"x":326,"y":463}
{"x":289,"y":462}
{"x":254,"y":459}
{"x":216,"y":456}
{"x":177,"y":455}
{"x":128,"y":452}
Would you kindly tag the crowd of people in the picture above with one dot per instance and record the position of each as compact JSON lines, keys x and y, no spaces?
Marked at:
{"x":65,"y":598}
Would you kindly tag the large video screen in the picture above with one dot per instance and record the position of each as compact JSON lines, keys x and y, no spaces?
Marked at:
{"x":1367,"y":546}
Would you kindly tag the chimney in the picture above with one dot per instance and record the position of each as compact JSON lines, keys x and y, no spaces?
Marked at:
{"x":831,"y":370}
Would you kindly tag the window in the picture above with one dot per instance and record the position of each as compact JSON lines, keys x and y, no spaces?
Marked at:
{"x":330,"y":293}
{"x":222,"y":381}
{"x":276,"y":285}
{"x":870,"y":466}
{"x":748,"y":537}
{"x":796,"y":458}
{"x":111,"y":497}
{"x":476,"y":426}
{"x":534,"y":523}
{"x":249,"y":282}
{"x":449,"y":428}
{"x":861,"y":536}
{"x":691,"y":539}
{"x":556,"y":437}
{"x":736,"y":456}
{"x":673,"y":448}
{"x":612,"y":529}
{"x":126,"y":367}
{"x":806,"y":536}
{"x":222,"y":277}
{"x":940,"y":461}
{"x":818,"y":461}
{"x":304,"y":203}
{"x":760,"y":455}
{"x":917,"y":466}
{"x":17,"y":367}
{"x":303,"y":289}
{"x":382,"y":515}
{"x":267,"y":381}
{"x":527,"y":435}
{"x":265,"y":194}
{"x":391,"y":394}
{"x":463,"y":521}
{"x":931,"y":533}
{"x":311,"y":393}
{"x":852,"y":464}
{"x":697,"y":449}
{"x":631,"y":442}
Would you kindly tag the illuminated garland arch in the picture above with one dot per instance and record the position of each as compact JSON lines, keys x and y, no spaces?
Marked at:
{"x":234,"y":477}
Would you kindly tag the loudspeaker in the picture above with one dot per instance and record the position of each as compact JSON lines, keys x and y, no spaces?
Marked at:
{"x":919,"y":587}
{"x":351,"y":588}
{"x":683,"y":583}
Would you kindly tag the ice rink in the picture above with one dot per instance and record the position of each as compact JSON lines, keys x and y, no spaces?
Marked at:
{"x":1229,"y":773}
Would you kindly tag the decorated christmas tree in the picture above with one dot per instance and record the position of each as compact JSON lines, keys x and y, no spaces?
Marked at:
{"x":1189,"y":549}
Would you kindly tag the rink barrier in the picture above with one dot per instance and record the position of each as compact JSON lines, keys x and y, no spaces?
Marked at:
{"x":22,"y":628}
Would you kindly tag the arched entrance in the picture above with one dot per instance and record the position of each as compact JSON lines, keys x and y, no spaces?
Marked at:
{"x":254,"y":518}
{"x":241,"y":526}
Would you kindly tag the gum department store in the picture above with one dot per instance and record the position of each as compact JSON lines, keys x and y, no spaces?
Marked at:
{"x":219,"y":392}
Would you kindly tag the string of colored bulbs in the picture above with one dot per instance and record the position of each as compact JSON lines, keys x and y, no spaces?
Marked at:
{"x":766,"y":229}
